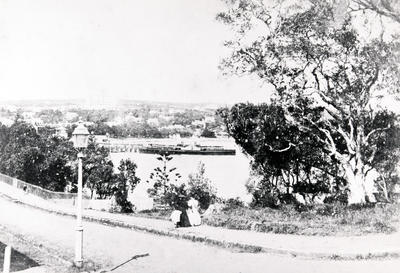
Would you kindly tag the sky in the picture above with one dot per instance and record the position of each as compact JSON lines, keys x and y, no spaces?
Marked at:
{"x":159,"y":50}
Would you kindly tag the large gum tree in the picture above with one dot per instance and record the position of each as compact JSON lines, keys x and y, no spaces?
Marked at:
{"x":307,"y":54}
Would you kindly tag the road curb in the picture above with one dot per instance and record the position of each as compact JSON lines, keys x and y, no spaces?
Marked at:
{"x":236,"y":246}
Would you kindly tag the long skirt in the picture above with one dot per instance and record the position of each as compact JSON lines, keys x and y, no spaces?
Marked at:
{"x":184,"y":220}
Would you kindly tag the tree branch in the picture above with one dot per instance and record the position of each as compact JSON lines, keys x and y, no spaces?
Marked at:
{"x":384,"y":9}
{"x":375,"y":131}
{"x":280,"y":150}
{"x":347,"y":138}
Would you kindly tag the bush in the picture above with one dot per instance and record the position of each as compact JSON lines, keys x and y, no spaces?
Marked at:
{"x":233,"y":203}
{"x":123,"y":204}
{"x":176,"y":197}
{"x":126,"y":180}
{"x":336,"y":198}
{"x":162,"y":178}
{"x":262,"y":199}
{"x":200,"y":188}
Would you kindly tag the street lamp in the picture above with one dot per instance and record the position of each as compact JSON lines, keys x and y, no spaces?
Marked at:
{"x":80,"y":138}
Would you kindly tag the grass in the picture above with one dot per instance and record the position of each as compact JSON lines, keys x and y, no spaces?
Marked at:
{"x":155,"y":214}
{"x":317,"y":220}
{"x":338,"y":220}
{"x":19,"y":261}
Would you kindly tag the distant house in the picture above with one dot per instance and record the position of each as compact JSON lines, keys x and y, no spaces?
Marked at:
{"x":153,"y":122}
{"x":166,"y":118}
{"x":174,"y":111}
{"x":69,"y":116}
{"x":102,"y":139}
{"x":28,"y":115}
{"x":35,"y":122}
{"x":132,"y":118}
{"x":173,"y":127}
{"x":62,"y":132}
{"x":199,"y":123}
{"x":209,"y":119}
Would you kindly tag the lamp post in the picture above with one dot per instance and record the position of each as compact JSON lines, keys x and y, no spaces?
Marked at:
{"x":80,"y":140}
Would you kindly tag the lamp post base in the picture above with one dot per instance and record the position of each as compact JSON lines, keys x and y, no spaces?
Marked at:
{"x":78,"y":262}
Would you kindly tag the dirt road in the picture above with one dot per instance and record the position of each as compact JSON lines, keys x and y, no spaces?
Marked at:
{"x":114,"y":246}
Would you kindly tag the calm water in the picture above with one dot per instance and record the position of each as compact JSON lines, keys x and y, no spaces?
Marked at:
{"x":227,"y":173}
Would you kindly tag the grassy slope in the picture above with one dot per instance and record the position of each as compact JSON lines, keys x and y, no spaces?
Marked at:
{"x":318,"y":220}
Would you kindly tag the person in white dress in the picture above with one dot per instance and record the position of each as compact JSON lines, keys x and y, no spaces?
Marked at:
{"x":193,"y":212}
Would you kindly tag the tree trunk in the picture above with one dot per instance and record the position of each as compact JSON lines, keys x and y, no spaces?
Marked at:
{"x":356,"y":189}
{"x":356,"y":185}
{"x":355,"y":168}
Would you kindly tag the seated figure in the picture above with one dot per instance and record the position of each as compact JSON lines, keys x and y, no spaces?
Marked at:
{"x":193,"y":212}
{"x":187,"y":216}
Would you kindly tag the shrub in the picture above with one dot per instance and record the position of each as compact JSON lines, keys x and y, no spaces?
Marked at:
{"x":264,"y":199}
{"x":176,"y":197}
{"x":336,"y":198}
{"x":162,"y":177}
{"x":125,"y":180}
{"x":123,"y":204}
{"x":200,"y":188}
{"x":233,"y":203}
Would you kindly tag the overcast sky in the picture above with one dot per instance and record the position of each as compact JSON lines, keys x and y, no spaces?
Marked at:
{"x":165,"y":50}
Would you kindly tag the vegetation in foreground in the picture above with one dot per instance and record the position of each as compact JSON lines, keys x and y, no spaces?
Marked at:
{"x":317,"y":220}
{"x":322,"y":132}
{"x":282,"y":214}
{"x":42,"y":158}
{"x":325,"y":219}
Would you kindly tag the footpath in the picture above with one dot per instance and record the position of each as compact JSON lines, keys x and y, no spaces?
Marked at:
{"x":378,"y":246}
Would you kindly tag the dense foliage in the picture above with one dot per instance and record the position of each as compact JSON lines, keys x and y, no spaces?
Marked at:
{"x":98,"y":170}
{"x":201,"y":188}
{"x":324,"y":124}
{"x":287,"y":160}
{"x":163,"y":176}
{"x":42,"y":158}
{"x":100,"y":177}
{"x":168,"y":188}
{"x":125,"y":181}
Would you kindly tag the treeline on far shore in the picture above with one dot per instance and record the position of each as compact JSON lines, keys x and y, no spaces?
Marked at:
{"x":145,"y":130}
{"x":144,"y":121}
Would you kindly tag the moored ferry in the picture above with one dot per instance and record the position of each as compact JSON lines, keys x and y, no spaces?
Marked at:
{"x":186,"y":149}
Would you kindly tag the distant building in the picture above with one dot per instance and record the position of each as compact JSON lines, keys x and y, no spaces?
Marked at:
{"x":28,"y":115}
{"x":69,"y":116}
{"x":166,"y":118}
{"x":209,"y":119}
{"x":102,"y":139}
{"x":62,"y":132}
{"x":201,"y":123}
{"x":153,"y":122}
{"x":174,"y":111}
{"x":173,"y":127}
{"x":36,"y":122}
{"x":131,"y":118}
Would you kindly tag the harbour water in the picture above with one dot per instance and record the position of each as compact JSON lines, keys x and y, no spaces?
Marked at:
{"x":228,"y":173}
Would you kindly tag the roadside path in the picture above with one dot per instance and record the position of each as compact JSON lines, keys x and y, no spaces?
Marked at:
{"x":111,"y":247}
{"x":321,"y":247}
